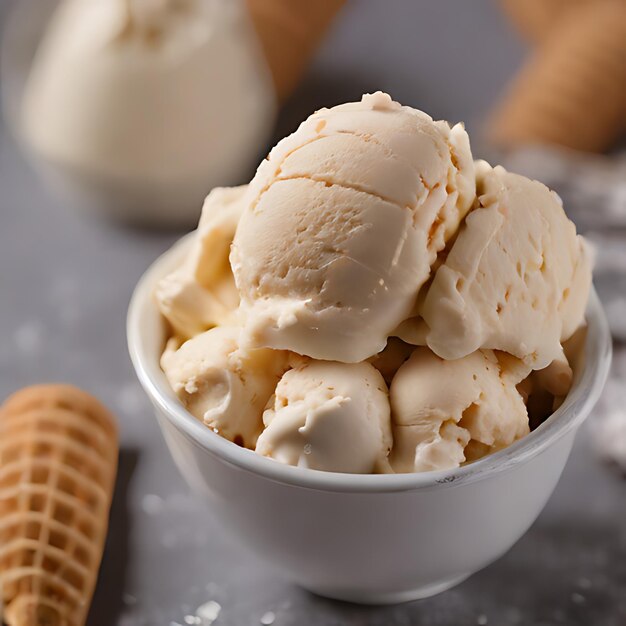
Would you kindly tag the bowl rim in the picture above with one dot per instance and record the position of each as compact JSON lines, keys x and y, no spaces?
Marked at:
{"x":588,"y":384}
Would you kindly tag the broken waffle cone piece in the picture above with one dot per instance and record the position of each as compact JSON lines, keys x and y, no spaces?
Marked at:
{"x":289,"y":32}
{"x":58,"y":460}
{"x":572,"y":92}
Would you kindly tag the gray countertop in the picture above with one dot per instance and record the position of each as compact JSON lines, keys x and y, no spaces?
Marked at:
{"x":65,"y":282}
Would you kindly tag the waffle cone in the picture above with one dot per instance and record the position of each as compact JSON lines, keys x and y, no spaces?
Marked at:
{"x":289,"y":32}
{"x":572,"y":92}
{"x":58,"y":459}
{"x":536,"y":19}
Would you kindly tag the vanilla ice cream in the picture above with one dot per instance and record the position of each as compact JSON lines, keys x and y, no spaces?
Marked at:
{"x":390,"y":304}
{"x":448,"y":412}
{"x":344,"y":220}
{"x":222,"y":384}
{"x":516,"y":278}
{"x":201,"y":293}
{"x":146,"y":105}
{"x":329,"y":416}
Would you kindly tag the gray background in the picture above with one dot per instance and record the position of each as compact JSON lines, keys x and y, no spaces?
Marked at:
{"x":65,"y":281}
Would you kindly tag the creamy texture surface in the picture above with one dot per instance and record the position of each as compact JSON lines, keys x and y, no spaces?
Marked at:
{"x":388,"y":305}
{"x":448,"y":412}
{"x":342,"y":223}
{"x":222,"y":384}
{"x":329,"y":416}
{"x":516,"y":279}
{"x":201,"y":293}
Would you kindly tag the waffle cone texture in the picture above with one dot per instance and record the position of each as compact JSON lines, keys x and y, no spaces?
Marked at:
{"x":58,"y":460}
{"x":572,"y":91}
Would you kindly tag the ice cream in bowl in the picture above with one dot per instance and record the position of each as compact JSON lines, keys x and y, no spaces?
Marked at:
{"x":374,"y":358}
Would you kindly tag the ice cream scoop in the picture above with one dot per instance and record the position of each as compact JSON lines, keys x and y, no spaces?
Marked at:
{"x":342,"y":224}
{"x":371,"y":250}
{"x":139,"y":107}
{"x":201,"y":293}
{"x":222,"y":384}
{"x":329,"y":416}
{"x":516,"y":278}
{"x":448,"y":412}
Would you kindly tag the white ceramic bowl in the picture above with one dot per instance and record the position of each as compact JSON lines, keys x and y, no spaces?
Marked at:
{"x":368,"y":538}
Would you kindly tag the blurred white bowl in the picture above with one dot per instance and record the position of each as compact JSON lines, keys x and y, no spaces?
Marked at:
{"x":367,"y":538}
{"x":139,"y":137}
